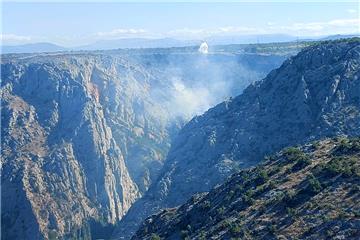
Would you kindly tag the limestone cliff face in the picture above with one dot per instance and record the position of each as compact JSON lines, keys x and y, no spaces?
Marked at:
{"x":313,"y":95}
{"x":67,"y":122}
{"x":85,"y":134}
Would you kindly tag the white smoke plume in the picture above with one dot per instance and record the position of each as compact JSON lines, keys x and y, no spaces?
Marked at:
{"x":204,"y":48}
{"x":189,"y":101}
{"x":197,"y":82}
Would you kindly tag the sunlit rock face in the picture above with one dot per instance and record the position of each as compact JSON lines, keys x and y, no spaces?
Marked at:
{"x":312,"y":95}
{"x":67,"y":122}
{"x":85,"y":134}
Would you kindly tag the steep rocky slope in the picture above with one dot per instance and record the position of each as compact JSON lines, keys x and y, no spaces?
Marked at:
{"x":66,"y":124}
{"x":84,"y":134}
{"x":314,"y":94}
{"x":308,"y":192}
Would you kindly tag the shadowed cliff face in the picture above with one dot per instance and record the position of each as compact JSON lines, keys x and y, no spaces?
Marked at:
{"x":85,"y":134}
{"x":313,"y":95}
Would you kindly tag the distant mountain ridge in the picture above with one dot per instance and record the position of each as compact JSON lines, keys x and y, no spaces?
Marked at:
{"x":33,"y":48}
{"x":339,"y":36}
{"x":131,"y":43}
{"x":137,"y":43}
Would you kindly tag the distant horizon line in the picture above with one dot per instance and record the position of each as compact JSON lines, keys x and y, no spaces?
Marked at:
{"x":210,"y":38}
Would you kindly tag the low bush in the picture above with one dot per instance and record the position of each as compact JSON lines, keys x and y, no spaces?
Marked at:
{"x":262,"y":177}
{"x":347,"y":146}
{"x":235,"y":228}
{"x":301,"y":163}
{"x":314,"y":184}
{"x":294,"y":154}
{"x":344,"y":166}
{"x":155,"y":237}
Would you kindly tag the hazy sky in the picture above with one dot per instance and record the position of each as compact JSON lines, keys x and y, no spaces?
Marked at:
{"x":73,"y":24}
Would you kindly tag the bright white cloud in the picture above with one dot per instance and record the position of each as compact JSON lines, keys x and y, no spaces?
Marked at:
{"x":14,"y":38}
{"x":120,"y":32}
{"x":189,"y":32}
{"x":232,"y":29}
{"x":200,"y":33}
{"x":345,"y":22}
{"x":337,"y":26}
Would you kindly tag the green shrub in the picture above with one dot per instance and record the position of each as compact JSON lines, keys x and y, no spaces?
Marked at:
{"x":294,"y":154}
{"x":314,"y":184}
{"x":342,"y":214}
{"x":328,"y":233}
{"x":275,"y":169}
{"x":356,"y":213}
{"x":155,"y":237}
{"x":225,"y":224}
{"x":230,"y":195}
{"x":262,"y":209}
{"x":272,"y":184}
{"x":270,"y":158}
{"x":206,"y":204}
{"x":184,"y":234}
{"x":248,"y":197}
{"x":235,"y":228}
{"x":238,"y":188}
{"x":291,"y":212}
{"x":301,"y":163}
{"x":325,"y":218}
{"x":260,"y":189}
{"x":272,"y":228}
{"x":221,"y":210}
{"x":202,"y":235}
{"x":340,"y":165}
{"x":289,"y":195}
{"x":347,"y":146}
{"x":316,"y":144}
{"x":188,"y":227}
{"x":262,"y":177}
